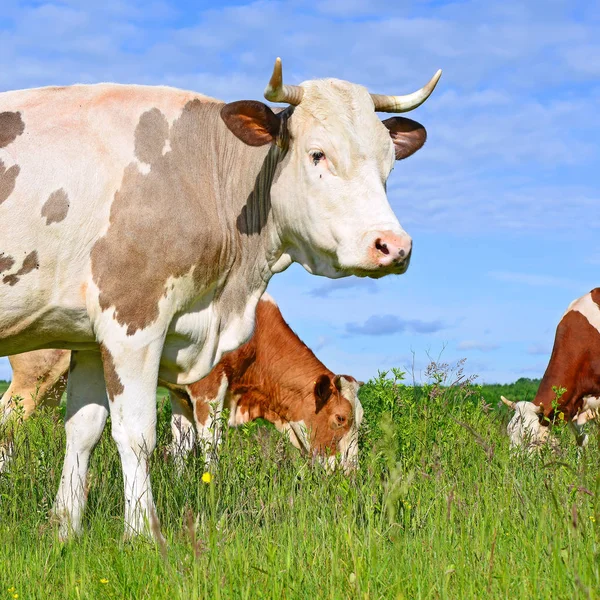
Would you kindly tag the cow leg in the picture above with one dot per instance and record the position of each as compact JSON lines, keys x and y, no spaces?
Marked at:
{"x":7,"y":407}
{"x":37,"y":381}
{"x":577,"y":427}
{"x":87,"y":409}
{"x":182,"y":429}
{"x":208,"y":410}
{"x":131,"y":375}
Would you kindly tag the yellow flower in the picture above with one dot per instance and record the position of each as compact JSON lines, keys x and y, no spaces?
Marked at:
{"x":11,"y":590}
{"x":103,"y":580}
{"x":15,"y":596}
{"x":206,"y":477}
{"x":593,"y":519}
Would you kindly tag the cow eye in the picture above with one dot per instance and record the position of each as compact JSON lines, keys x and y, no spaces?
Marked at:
{"x":316,"y":156}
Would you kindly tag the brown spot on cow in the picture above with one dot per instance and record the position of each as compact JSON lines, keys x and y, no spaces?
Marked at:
{"x":8,"y":178}
{"x":11,"y":127}
{"x":570,"y":366}
{"x":30,"y":263}
{"x":202,"y":412}
{"x":10,"y":280}
{"x":6,"y":262}
{"x":151,"y":133}
{"x":164,"y":223}
{"x":55,"y":209}
{"x":595,"y":293}
{"x":114,"y":387}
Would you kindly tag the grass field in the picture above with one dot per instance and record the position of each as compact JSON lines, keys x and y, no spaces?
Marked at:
{"x":438,"y":509}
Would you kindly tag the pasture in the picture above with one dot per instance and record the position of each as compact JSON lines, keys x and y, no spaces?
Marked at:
{"x":438,"y":509}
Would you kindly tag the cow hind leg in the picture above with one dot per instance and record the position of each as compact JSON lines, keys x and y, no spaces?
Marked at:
{"x":131,"y":376}
{"x":87,"y":410}
{"x":182,"y":429}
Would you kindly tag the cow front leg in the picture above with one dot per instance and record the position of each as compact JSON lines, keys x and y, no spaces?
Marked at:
{"x":182,"y":429}
{"x":87,"y":409}
{"x":131,"y":376}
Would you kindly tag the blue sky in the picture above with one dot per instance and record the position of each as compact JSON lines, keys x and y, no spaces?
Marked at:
{"x":503,"y":202}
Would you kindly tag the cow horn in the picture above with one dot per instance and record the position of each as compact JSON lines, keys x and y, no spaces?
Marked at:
{"x":508,"y":402}
{"x":400,"y":104}
{"x":276,"y":91}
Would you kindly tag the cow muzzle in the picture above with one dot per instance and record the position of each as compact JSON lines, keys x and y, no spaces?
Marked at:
{"x":389,"y":252}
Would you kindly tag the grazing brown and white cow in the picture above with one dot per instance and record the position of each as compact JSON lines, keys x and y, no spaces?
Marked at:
{"x":146,"y":222}
{"x":274,"y":376}
{"x":575,"y":366}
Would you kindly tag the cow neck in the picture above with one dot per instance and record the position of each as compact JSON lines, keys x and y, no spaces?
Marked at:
{"x":287,"y":365}
{"x":257,"y":245}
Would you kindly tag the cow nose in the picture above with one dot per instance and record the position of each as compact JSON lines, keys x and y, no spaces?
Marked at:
{"x":392,"y":249}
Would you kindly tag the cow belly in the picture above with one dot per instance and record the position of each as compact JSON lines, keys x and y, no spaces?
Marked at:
{"x":48,"y":327}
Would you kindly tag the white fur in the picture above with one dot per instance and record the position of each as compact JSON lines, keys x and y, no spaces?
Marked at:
{"x":87,"y":409}
{"x":525,"y":429}
{"x":588,"y":308}
{"x":348,"y":445}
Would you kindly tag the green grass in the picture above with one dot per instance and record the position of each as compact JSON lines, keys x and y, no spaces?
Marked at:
{"x":439,"y":509}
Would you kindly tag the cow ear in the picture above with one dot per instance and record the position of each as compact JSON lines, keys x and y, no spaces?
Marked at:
{"x":252,"y":122}
{"x":322,"y":391}
{"x":408,"y":135}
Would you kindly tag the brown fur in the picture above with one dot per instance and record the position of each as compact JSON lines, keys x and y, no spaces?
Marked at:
{"x":30,"y":263}
{"x":574,"y":364}
{"x":38,"y":378}
{"x":6,"y":262}
{"x":11,"y":126}
{"x":55,"y":209}
{"x":173,"y":192}
{"x":408,"y":135}
{"x":151,"y":134}
{"x":8,"y":179}
{"x":253,"y":122}
{"x":114,"y":387}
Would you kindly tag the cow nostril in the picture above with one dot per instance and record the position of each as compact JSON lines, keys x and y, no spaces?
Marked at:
{"x":381,"y":246}
{"x":402,"y":253}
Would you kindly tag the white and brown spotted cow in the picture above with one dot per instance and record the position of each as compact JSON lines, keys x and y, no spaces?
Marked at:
{"x":273,"y":376}
{"x":575,"y":366}
{"x":146,"y":222}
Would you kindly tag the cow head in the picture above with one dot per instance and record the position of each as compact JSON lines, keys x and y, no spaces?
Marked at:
{"x":329,"y":428}
{"x":525,"y":428}
{"x":329,"y":200}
